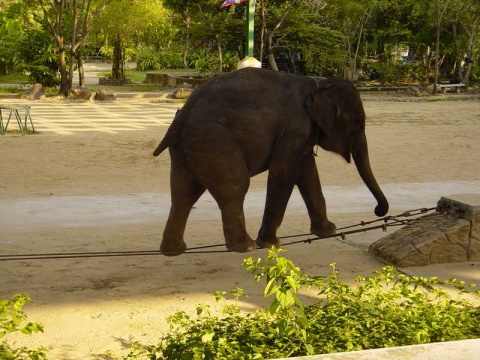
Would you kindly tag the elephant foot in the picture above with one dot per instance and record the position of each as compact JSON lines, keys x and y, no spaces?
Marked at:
{"x":173,"y":249}
{"x":267,"y":243}
{"x":325,"y":230}
{"x":242,"y":247}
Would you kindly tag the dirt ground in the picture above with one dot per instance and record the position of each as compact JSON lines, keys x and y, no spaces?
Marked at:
{"x":105,"y":192}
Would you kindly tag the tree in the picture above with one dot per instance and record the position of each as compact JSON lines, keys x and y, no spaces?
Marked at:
{"x":54,"y":18}
{"x":206,"y":28}
{"x":361,"y":14}
{"x":277,"y":12}
{"x":10,"y":31}
{"x":299,"y":28}
{"x":25,"y":48}
{"x":68,"y":39}
{"x":123,"y":21}
{"x":440,"y":8}
{"x":181,"y":10}
{"x":470,"y":22}
{"x":465,"y":30}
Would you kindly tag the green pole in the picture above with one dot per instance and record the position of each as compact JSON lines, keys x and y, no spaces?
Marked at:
{"x":250,"y":28}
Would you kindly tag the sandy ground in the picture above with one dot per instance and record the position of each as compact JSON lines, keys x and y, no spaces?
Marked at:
{"x":96,"y":191}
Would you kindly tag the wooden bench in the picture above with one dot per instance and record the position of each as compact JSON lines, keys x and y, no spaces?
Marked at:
{"x":13,"y":110}
{"x":457,"y":87}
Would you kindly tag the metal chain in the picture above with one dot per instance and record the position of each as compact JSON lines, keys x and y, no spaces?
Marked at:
{"x":402,"y":219}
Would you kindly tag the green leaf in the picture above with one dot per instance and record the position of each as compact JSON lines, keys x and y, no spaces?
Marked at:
{"x":272,"y":309}
{"x":285,"y":298}
{"x":207,"y":337}
{"x":309,"y":349}
{"x":270,"y":288}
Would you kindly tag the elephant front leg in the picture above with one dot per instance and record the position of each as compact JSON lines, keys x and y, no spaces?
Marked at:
{"x":229,"y":193}
{"x":308,"y":183}
{"x":234,"y":229}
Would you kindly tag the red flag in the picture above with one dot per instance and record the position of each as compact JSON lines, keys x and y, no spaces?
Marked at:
{"x":231,"y":2}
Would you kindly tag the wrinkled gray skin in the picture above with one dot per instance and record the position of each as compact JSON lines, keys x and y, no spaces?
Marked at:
{"x":240,"y":124}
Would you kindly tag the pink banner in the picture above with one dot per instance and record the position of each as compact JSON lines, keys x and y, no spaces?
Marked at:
{"x":231,"y":2}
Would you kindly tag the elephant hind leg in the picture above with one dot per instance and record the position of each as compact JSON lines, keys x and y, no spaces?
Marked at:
{"x":217,"y":161}
{"x":226,"y":176}
{"x":185,"y":192}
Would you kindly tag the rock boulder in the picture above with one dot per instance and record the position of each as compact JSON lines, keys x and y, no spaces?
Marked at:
{"x":35,"y":93}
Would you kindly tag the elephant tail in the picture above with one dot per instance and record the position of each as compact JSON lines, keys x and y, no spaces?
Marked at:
{"x":162,"y":146}
{"x":172,"y":136}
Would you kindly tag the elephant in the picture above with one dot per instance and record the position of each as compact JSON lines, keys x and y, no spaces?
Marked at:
{"x":237,"y":125}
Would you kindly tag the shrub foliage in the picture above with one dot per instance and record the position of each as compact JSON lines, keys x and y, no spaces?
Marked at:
{"x":385,"y":310}
{"x":12,"y":319}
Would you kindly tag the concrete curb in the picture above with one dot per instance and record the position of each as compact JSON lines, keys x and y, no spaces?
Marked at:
{"x":451,"y":350}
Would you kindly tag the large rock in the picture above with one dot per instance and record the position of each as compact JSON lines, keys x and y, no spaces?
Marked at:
{"x":182,"y":93}
{"x":413,"y":91}
{"x":35,"y":93}
{"x":452,"y":234}
{"x":80,"y":93}
{"x":104,"y":95}
{"x":172,"y":80}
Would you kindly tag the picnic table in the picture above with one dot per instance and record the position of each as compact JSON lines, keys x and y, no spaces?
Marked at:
{"x":14,"y":111}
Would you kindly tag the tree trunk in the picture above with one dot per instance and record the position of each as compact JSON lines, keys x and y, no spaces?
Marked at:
{"x":271,"y":55}
{"x":220,"y":55}
{"x":272,"y":62}
{"x":187,"y":44}
{"x":81,"y":71}
{"x":65,"y":80}
{"x":380,"y":46}
{"x":118,"y":67}
{"x":263,"y":32}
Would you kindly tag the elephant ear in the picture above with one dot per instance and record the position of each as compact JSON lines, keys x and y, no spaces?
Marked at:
{"x":322,"y":109}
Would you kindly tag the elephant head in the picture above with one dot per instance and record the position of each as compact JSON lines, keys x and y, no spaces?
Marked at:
{"x":336,"y":109}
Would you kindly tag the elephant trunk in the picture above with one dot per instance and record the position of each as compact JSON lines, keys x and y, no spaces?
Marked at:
{"x":362,"y":162}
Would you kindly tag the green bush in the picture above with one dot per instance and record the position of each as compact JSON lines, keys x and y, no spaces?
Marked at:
{"x":392,"y":72}
{"x":171,"y":60}
{"x":12,"y":319}
{"x":149,"y":58}
{"x":230,"y":61}
{"x":205,"y":61}
{"x":385,"y":310}
{"x":38,"y":58}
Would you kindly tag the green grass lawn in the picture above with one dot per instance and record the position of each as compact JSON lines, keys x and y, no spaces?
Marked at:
{"x":13,"y":78}
{"x":15,"y":82}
